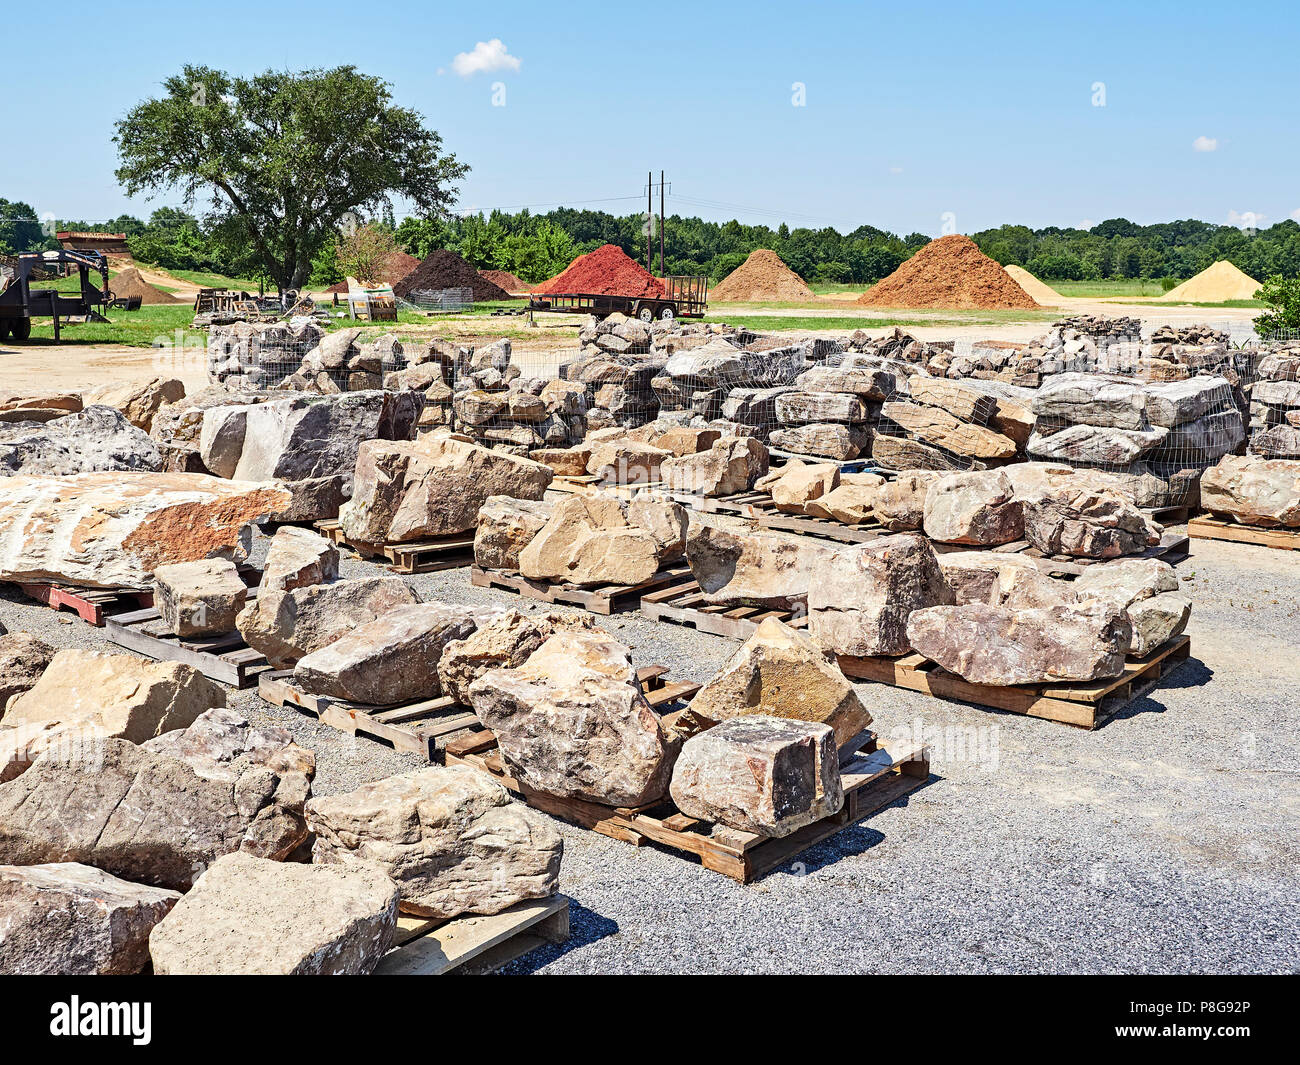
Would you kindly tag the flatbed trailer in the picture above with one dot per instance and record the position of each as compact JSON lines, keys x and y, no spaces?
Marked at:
{"x":20,"y":303}
{"x":683,"y":297}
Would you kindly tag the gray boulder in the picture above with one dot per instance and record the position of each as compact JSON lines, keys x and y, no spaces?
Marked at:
{"x":97,"y":439}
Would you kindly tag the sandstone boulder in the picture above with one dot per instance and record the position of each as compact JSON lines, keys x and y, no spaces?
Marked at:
{"x":1255,"y":491}
{"x":286,"y":625}
{"x":973,"y":508}
{"x":623,"y":460}
{"x":599,"y":538}
{"x":729,"y":466}
{"x":112,"y":530}
{"x":449,"y":836}
{"x":823,"y":439}
{"x":982,"y":576}
{"x":150,"y":817}
{"x":1087,"y":399}
{"x":1147,"y":591}
{"x":864,"y":595}
{"x":850,"y":503}
{"x":810,"y":408}
{"x":937,"y":427}
{"x":505,"y":527}
{"x":1076,"y":520}
{"x":69,"y":919}
{"x":795,"y":488}
{"x":1096,"y":445}
{"x":199,"y":598}
{"x":297,"y":558}
{"x":503,"y":642}
{"x":23,"y":658}
{"x":760,"y":774}
{"x":431,"y":487}
{"x":1157,"y":619}
{"x":572,"y":721}
{"x":781,"y":672}
{"x":249,"y":916}
{"x":1004,"y":645}
{"x":138,"y":401}
{"x":755,"y":569}
{"x":392,"y":659}
{"x":899,"y":505}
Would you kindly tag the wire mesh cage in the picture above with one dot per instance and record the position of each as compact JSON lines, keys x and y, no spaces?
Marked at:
{"x":1274,"y":401}
{"x":438,"y":301}
{"x":302,"y":353}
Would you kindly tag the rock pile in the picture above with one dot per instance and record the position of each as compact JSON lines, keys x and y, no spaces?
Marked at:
{"x":936,"y":424}
{"x":1159,"y":435}
{"x":1275,"y":404}
{"x":259,"y":354}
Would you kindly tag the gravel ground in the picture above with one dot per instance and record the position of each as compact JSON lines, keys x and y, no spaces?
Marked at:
{"x":1164,"y":842}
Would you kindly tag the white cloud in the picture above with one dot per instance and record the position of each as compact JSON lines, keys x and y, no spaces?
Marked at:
{"x":895,"y":169}
{"x":1246,"y":219}
{"x":1201,"y":144}
{"x":1296,"y":214}
{"x":487,"y":56}
{"x":1087,"y":223}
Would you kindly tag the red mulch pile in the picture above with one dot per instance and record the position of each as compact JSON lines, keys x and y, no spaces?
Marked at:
{"x":949,"y":272}
{"x":445,"y":269}
{"x":397,"y":266}
{"x":506,"y":280}
{"x":607,"y":271}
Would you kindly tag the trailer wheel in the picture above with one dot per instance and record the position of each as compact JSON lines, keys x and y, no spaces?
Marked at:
{"x":667,"y":315}
{"x":646,"y":313}
{"x":20,"y":328}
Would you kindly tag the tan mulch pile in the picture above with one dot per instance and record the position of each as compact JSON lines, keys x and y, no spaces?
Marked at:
{"x":763,"y":277}
{"x":949,"y":272}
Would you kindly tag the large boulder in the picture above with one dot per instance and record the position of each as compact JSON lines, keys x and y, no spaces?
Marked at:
{"x":95,"y":439}
{"x":448,"y":835}
{"x":250,"y":916}
{"x":731,"y":465}
{"x":973,"y":508}
{"x":1081,"y":521}
{"x":830,"y":440}
{"x":983,"y":576}
{"x":199,"y":598}
{"x":287,"y":625}
{"x":161,"y":816}
{"x":1096,"y":445}
{"x":781,"y":672}
{"x":502,"y":642}
{"x":797,"y":484}
{"x":431,"y":487}
{"x":938,"y":428}
{"x":392,"y":659}
{"x":297,"y":558}
{"x":899,"y":505}
{"x":112,"y":530}
{"x":1147,"y":591}
{"x":862,"y":598}
{"x":95,"y":695}
{"x":754,"y":569}
{"x":1007,"y":645}
{"x":623,"y":460}
{"x":138,"y":401}
{"x":599,"y":538}
{"x":1255,"y":491}
{"x":69,"y":919}
{"x":1089,"y":399}
{"x":23,"y":659}
{"x":760,"y":774}
{"x":505,"y":527}
{"x":812,"y":408}
{"x":572,"y":721}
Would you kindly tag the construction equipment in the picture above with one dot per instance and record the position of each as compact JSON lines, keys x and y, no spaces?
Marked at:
{"x":684,"y":297}
{"x":20,"y":302}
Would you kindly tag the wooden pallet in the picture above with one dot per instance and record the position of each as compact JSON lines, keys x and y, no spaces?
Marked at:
{"x":605,"y":599}
{"x":1208,"y":528}
{"x":474,"y":943}
{"x":423,"y":727}
{"x":224,"y":657}
{"x":1087,"y":704}
{"x":758,"y":506}
{"x":873,"y":777}
{"x":682,"y":603}
{"x":418,"y":556}
{"x":92,"y":605}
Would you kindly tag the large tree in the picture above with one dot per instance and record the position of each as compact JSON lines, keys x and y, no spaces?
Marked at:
{"x":287,"y":159}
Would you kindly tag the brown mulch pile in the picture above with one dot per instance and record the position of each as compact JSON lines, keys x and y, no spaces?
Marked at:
{"x":506,"y":280}
{"x":445,"y":269}
{"x":129,"y":284}
{"x":761,"y":277}
{"x":949,"y":272}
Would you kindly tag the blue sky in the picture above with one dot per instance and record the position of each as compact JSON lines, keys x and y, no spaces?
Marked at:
{"x":912,"y":111}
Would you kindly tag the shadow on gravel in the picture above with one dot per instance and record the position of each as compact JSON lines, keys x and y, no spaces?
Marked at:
{"x":585,"y":926}
{"x":1191,"y":673}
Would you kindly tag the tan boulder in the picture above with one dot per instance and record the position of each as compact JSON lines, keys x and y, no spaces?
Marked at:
{"x":626,"y":461}
{"x":932,"y":425}
{"x":754,"y":569}
{"x":296,"y":558}
{"x":792,"y":492}
{"x":731,"y":465}
{"x":973,"y":508}
{"x":501,"y":643}
{"x":1089,"y":523}
{"x":783,"y":673}
{"x":899,"y":505}
{"x":199,"y":598}
{"x":563,"y":461}
{"x":505,"y":527}
{"x":601,"y":538}
{"x":851,"y":504}
{"x":1254,"y":491}
{"x":139,"y":401}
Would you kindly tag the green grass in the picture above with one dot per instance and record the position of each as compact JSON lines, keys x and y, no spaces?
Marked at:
{"x":770,"y":323}
{"x":1112,"y":289}
{"x":136,"y":329}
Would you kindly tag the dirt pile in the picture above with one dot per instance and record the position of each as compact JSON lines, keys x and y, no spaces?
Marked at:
{"x":129,"y":284}
{"x":607,"y":271}
{"x":396,"y":267}
{"x":949,"y":272}
{"x":761,"y":277}
{"x":506,"y":280}
{"x":1039,"y":291}
{"x":445,"y":269}
{"x":1214,"y":284}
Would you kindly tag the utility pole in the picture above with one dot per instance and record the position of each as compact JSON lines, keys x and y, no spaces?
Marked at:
{"x":661,"y":224}
{"x":649,"y":216}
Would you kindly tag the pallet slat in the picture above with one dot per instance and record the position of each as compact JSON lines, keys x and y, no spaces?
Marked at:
{"x":1207,"y":528}
{"x":477,"y":942}
{"x":226,"y":658}
{"x":608,"y":599}
{"x":417,"y":556}
{"x":92,"y":605}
